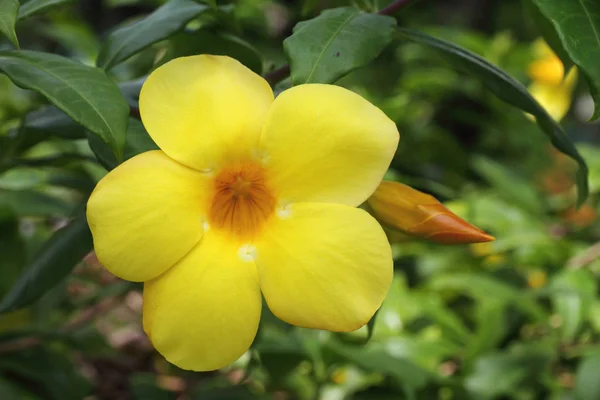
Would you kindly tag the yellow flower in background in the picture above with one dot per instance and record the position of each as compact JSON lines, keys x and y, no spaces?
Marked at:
{"x":549,"y":86}
{"x":248,"y":194}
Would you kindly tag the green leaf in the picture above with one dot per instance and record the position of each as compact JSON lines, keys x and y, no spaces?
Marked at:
{"x":587,"y":384}
{"x":508,"y":184}
{"x":577,"y":23}
{"x":549,"y":33}
{"x":56,"y":259}
{"x":8,"y":18}
{"x":35,"y":6}
{"x":207,"y":42}
{"x":509,"y":90}
{"x":84,"y":93}
{"x":138,"y":141}
{"x":327,"y":47}
{"x":33,"y":203}
{"x":12,"y":248}
{"x":162,"y":23}
{"x":572,"y":294}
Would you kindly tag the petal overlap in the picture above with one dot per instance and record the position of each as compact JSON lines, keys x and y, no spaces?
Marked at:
{"x":146,"y":214}
{"x":202,"y":109}
{"x":203,"y":313}
{"x":324,"y":266}
{"x":324,"y":143}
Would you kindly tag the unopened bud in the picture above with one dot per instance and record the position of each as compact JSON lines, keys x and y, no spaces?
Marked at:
{"x":402,"y":208}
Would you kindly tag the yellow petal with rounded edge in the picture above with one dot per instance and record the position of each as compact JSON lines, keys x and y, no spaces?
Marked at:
{"x":325,"y":143}
{"x":324,"y":266}
{"x":200,"y":109}
{"x":146,"y":214}
{"x":203,"y":313}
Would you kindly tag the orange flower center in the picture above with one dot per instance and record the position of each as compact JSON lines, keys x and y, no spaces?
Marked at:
{"x":242,"y":200}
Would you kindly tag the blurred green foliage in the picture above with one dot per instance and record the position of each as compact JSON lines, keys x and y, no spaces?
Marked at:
{"x":518,"y":318}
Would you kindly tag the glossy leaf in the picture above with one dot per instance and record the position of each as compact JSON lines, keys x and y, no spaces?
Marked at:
{"x":509,"y":90}
{"x":35,"y":6}
{"x":325,"y":48}
{"x":138,"y":141}
{"x":84,"y":93}
{"x":8,"y":17}
{"x":207,"y":42}
{"x":577,"y":23}
{"x":162,"y":23}
{"x":56,"y":259}
{"x":549,"y":33}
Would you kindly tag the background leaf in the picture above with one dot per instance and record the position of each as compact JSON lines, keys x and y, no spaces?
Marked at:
{"x":325,"y":48}
{"x":164,"y":22}
{"x":84,"y":93}
{"x":587,"y":384}
{"x":509,"y":90}
{"x":8,"y":17}
{"x":577,"y":23}
{"x":58,"y":257}
{"x":35,"y":6}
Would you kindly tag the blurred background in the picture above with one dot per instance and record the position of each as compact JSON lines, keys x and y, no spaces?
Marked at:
{"x":518,"y":318}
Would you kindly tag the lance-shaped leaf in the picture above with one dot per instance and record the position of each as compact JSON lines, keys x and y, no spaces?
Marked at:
{"x":35,"y":6}
{"x":8,"y":17}
{"x":507,"y":89}
{"x":325,"y":48}
{"x":55,"y":260}
{"x":84,"y":93}
{"x":577,"y":23}
{"x":162,"y":23}
{"x":402,"y":208}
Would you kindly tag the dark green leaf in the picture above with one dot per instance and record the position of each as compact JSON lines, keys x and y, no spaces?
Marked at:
{"x":35,"y":6}
{"x":587,"y":384}
{"x":549,"y":33}
{"x":206,"y":42}
{"x":509,"y":90}
{"x":8,"y":18}
{"x":50,"y":374}
{"x":85,"y":93}
{"x":12,"y":249}
{"x":327,"y":47}
{"x":577,"y":23}
{"x":138,"y":141}
{"x":57,"y":258}
{"x":33,"y":203}
{"x":162,"y":23}
{"x":145,"y":387}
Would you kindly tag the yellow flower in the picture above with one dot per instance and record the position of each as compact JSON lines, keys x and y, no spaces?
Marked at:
{"x":248,"y":194}
{"x":548,"y":86}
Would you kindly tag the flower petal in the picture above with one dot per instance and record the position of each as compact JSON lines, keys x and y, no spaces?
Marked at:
{"x":327,"y":144}
{"x":203,"y":313}
{"x":200,"y":107}
{"x":146,"y":214}
{"x":324,"y":266}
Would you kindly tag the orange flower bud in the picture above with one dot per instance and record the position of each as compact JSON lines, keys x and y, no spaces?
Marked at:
{"x":400,"y":207}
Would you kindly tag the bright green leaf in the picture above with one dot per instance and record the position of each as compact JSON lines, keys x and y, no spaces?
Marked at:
{"x":577,"y":23}
{"x":35,"y":6}
{"x":56,"y":259}
{"x":509,"y":90}
{"x":325,"y":48}
{"x":8,"y":18}
{"x":572,"y":295}
{"x":162,"y":23}
{"x":84,"y":93}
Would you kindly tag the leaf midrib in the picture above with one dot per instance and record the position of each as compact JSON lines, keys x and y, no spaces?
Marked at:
{"x":589,"y":16}
{"x":85,"y":99}
{"x":328,"y":44}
